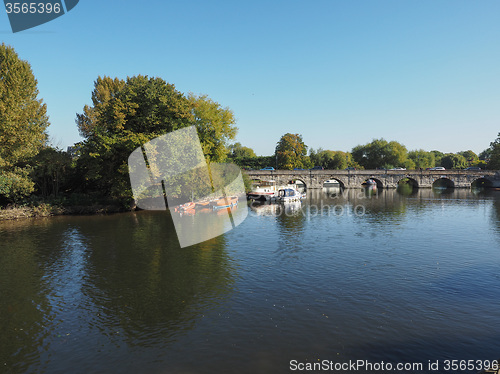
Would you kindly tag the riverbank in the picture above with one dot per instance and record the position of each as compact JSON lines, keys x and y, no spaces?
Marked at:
{"x":14,"y":212}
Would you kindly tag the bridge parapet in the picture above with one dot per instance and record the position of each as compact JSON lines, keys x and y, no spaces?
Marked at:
{"x":314,"y":179}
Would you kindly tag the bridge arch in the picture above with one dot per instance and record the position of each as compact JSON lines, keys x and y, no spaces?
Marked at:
{"x":481,"y":183}
{"x":407,"y":186}
{"x":302,"y":181}
{"x":380,"y":184}
{"x":443,"y":182}
{"x":408,"y":180}
{"x":341,"y":183}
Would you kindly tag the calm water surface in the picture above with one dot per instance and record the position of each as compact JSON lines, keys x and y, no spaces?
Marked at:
{"x":379,"y":277}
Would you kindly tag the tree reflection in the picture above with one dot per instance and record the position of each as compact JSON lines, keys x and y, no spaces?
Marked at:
{"x":24,"y":305}
{"x":495,"y":215}
{"x":145,"y":283}
{"x":99,"y":281}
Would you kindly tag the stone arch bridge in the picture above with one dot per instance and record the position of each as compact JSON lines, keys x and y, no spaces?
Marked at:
{"x":314,"y":179}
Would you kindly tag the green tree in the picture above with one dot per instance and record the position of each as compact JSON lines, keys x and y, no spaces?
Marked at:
{"x":236,"y":150}
{"x":485,"y":155}
{"x":410,"y":164}
{"x":23,"y":121}
{"x":215,"y":126}
{"x":494,"y":162}
{"x":126,"y":114}
{"x":330,"y":159}
{"x":255,"y":163}
{"x":437,"y":157}
{"x":453,"y":161}
{"x":470,"y":156}
{"x":422,"y":159}
{"x":291,"y":152}
{"x":481,"y":163}
{"x":51,"y":171}
{"x":380,"y":153}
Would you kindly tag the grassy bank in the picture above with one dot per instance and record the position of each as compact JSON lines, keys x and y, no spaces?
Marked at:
{"x":47,"y":210}
{"x":73,"y":205}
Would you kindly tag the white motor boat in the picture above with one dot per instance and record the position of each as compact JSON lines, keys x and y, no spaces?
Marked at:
{"x":289,"y":194}
{"x":264,"y":191}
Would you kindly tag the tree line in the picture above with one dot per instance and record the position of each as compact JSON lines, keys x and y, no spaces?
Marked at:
{"x":292,"y":153}
{"x":124,"y":115}
{"x":127,"y":113}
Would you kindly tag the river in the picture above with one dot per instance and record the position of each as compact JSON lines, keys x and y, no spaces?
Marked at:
{"x":378,"y":277}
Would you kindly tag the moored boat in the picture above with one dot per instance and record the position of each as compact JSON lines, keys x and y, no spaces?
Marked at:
{"x":187,"y":208}
{"x":290,"y":194}
{"x":225,"y":202}
{"x":202,"y":204}
{"x":331,"y":183}
{"x":265,"y":191}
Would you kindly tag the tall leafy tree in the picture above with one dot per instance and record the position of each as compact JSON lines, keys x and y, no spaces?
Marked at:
{"x":124,"y":115}
{"x":485,"y":155}
{"x":291,"y":152}
{"x":380,"y":153}
{"x":494,"y":154}
{"x":438,"y":155}
{"x":470,"y":156}
{"x":215,"y":125}
{"x":236,"y":150}
{"x":330,"y":159}
{"x":51,"y":171}
{"x":454,"y":161}
{"x":23,"y":121}
{"x":422,"y":159}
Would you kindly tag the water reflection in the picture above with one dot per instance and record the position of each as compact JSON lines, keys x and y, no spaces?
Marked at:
{"x":143,"y":280}
{"x":24,"y":305}
{"x":407,"y":189}
{"x":495,"y":216}
{"x":413,"y":278}
{"x":102,"y":283}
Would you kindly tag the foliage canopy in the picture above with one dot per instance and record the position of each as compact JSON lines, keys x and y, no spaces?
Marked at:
{"x":494,"y":154}
{"x":126,"y":114}
{"x":291,"y":152}
{"x":380,"y":154}
{"x":23,"y":121}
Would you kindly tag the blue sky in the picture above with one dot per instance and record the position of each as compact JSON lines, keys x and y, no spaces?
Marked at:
{"x":341,"y":73}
